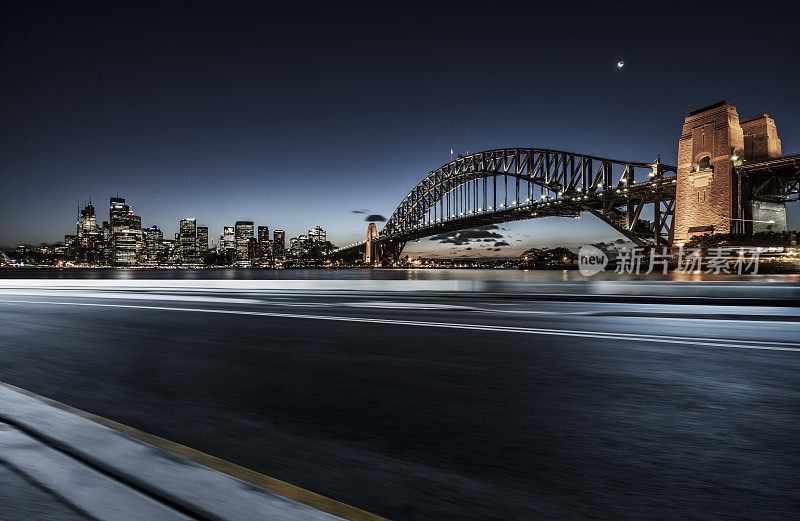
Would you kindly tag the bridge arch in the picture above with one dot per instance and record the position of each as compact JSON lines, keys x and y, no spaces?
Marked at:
{"x":510,"y":184}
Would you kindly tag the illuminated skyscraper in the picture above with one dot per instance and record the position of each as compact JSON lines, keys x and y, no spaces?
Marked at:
{"x":317,"y":234}
{"x":202,"y":241}
{"x":126,"y":233}
{"x":188,"y":240}
{"x":118,"y":211}
{"x":229,"y":240}
{"x":279,"y":244}
{"x":244,"y":232}
{"x":300,"y":247}
{"x":264,"y":244}
{"x":153,"y":245}
{"x":87,"y":226}
{"x":88,"y":236}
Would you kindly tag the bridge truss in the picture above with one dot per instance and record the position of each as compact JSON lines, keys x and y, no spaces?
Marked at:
{"x":512,"y":184}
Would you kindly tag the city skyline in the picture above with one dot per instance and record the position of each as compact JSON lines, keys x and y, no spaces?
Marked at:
{"x":231,"y":115}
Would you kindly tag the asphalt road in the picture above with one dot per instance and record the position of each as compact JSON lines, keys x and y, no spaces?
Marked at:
{"x":419,"y":407}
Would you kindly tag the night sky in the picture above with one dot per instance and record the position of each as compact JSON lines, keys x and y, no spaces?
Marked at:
{"x":297,"y":117}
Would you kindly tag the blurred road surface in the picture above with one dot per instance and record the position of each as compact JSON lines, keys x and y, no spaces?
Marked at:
{"x":421,"y":407}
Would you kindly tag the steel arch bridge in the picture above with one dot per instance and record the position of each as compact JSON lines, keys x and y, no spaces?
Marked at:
{"x":511,"y":184}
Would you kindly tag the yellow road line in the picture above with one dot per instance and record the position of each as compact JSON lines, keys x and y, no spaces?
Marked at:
{"x":277,"y":486}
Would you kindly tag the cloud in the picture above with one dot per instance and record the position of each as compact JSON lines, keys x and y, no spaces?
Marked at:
{"x":501,"y":243}
{"x":363,"y":210}
{"x":375,"y":217}
{"x":466,"y":236}
{"x":469,"y":248}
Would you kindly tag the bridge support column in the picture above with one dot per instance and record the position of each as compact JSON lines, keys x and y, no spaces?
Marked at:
{"x":390,"y":251}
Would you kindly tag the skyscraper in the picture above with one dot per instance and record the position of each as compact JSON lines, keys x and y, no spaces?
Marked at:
{"x":188,"y":240}
{"x":153,"y":245}
{"x":88,"y":236}
{"x":229,"y":240}
{"x":87,"y":226}
{"x":279,"y":245}
{"x":317,"y":234}
{"x":126,"y":233}
{"x":202,"y":241}
{"x":264,"y":244}
{"x":244,"y":232}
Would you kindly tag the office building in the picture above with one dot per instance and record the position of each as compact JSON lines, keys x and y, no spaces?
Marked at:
{"x":187,"y":240}
{"x":317,"y":234}
{"x":126,"y":233}
{"x":228,"y":239}
{"x":264,"y":244}
{"x":279,"y":245}
{"x":244,"y":232}
{"x":153,"y":245}
{"x":202,"y":241}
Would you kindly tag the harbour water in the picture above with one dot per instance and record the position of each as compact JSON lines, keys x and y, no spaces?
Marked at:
{"x":501,"y":275}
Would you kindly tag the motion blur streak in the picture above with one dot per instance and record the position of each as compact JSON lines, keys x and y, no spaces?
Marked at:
{"x":696,"y":341}
{"x":431,"y":405}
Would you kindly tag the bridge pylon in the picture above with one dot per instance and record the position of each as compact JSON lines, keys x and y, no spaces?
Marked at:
{"x":371,"y":257}
{"x":709,"y":196}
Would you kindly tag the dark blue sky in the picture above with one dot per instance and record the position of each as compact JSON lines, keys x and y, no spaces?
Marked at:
{"x":294,"y":118}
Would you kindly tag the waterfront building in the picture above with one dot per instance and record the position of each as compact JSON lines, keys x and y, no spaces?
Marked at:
{"x":244,"y":232}
{"x":125,"y":246}
{"x":126,"y":233}
{"x":187,"y":240}
{"x":229,"y":240}
{"x":87,"y":227}
{"x":89,"y":238}
{"x":153,"y":245}
{"x":264,"y":244}
{"x":317,"y":234}
{"x":278,"y":245}
{"x":171,"y":253}
{"x":300,"y":246}
{"x":202,"y":241}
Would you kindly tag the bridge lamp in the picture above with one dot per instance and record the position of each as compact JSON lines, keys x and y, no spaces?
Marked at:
{"x":528,"y":200}
{"x":580,"y":189}
{"x":502,"y":205}
{"x":489,"y":208}
{"x":513,"y":202}
{"x":542,"y":196}
{"x":480,"y":209}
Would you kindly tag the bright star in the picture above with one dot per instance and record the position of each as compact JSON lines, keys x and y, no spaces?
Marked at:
{"x":620,"y":64}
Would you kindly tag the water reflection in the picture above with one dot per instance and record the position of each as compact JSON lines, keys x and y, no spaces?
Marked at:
{"x":502,"y":275}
